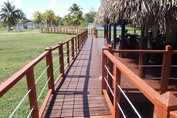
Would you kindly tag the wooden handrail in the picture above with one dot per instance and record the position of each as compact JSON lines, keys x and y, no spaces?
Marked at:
{"x":140,"y":51}
{"x":164,"y":104}
{"x":29,"y":72}
{"x":174,"y":51}
{"x":55,"y":47}
{"x":9,"y":83}
{"x":65,"y":42}
{"x":148,"y":91}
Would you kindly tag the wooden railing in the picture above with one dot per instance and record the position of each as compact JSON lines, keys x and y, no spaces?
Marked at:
{"x":63,"y":30}
{"x":72,"y":47}
{"x":165,"y":105}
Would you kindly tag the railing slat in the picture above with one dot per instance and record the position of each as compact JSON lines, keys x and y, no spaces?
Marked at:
{"x":117,"y":76}
{"x":50,"y":69}
{"x":32,"y":94}
{"x":61,"y":58}
{"x":166,"y":69}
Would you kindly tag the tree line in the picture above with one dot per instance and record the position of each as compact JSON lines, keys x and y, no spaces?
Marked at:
{"x":10,"y":16}
{"x":74,"y":18}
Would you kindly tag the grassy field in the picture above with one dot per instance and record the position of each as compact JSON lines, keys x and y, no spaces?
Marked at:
{"x":16,"y":50}
{"x":130,"y":31}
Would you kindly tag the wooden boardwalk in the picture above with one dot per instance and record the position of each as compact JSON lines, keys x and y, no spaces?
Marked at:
{"x":78,"y":94}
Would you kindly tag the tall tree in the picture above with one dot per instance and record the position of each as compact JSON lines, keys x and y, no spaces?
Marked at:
{"x":66,"y":20}
{"x":49,"y":17}
{"x":74,"y":8}
{"x":89,"y":17}
{"x":57,"y":20}
{"x":37,"y":17}
{"x":10,"y":15}
{"x":77,"y":18}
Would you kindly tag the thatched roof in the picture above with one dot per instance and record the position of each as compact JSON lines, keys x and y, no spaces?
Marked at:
{"x":137,"y":12}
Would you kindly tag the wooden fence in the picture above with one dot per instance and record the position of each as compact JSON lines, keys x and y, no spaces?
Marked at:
{"x":71,"y":46}
{"x":165,"y":105}
{"x":63,"y":30}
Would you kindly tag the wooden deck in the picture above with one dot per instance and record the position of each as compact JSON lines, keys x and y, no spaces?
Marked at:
{"x":151,"y":74}
{"x":79,"y":92}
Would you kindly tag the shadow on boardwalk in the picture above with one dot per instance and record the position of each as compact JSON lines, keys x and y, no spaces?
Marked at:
{"x":78,"y":94}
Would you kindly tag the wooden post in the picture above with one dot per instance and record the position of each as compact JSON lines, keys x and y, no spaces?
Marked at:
{"x":109,"y":34}
{"x":95,"y":33}
{"x":104,"y":60}
{"x":110,"y":64}
{"x":81,"y":41}
{"x":68,"y":50}
{"x":107,"y":30}
{"x":76,"y":39}
{"x":32,"y":94}
{"x":104,"y":31}
{"x":122,"y":44}
{"x":117,"y":79}
{"x":115,"y":36}
{"x":72,"y":44}
{"x":166,"y":69}
{"x":142,"y":70}
{"x":78,"y":42}
{"x":50,"y":69}
{"x":61,"y":58}
{"x":164,"y":104}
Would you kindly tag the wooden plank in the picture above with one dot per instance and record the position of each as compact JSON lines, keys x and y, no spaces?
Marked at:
{"x":80,"y":94}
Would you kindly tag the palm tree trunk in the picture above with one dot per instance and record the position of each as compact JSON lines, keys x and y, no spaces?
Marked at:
{"x":8,"y":27}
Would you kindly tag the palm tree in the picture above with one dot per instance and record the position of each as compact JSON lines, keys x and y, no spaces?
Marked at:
{"x":49,"y":17}
{"x":74,"y":8}
{"x":57,"y":20}
{"x":37,"y":17}
{"x":66,"y":20}
{"x":77,"y":19}
{"x":10,"y":15}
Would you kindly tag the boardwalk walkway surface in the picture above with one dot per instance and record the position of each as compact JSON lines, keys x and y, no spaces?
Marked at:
{"x":79,"y":92}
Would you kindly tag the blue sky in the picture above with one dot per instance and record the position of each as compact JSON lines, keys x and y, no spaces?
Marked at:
{"x":60,"y":7}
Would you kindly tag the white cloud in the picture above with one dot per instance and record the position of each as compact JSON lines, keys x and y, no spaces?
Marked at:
{"x":52,"y":4}
{"x":86,"y":10}
{"x":63,"y":10}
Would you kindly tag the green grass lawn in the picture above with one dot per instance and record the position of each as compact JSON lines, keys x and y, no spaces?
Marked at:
{"x":16,"y":50}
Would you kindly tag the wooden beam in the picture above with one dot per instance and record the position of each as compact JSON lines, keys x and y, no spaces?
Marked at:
{"x":109,"y":33}
{"x":115,"y":36}
{"x":122,"y":44}
{"x":166,"y":69}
